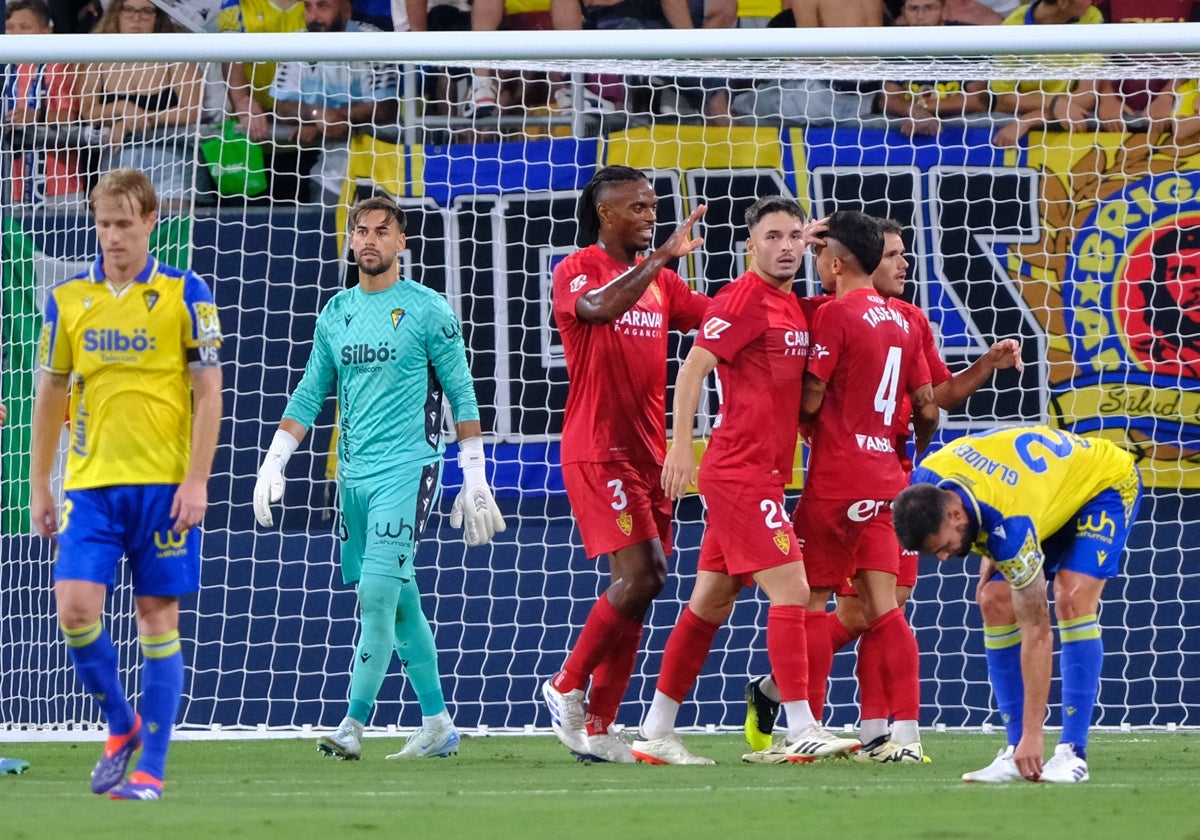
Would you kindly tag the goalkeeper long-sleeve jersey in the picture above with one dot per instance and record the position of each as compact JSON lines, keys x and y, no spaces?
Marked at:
{"x":390,"y":355}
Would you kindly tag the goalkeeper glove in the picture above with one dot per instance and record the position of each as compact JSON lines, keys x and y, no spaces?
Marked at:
{"x":269,"y":488}
{"x":475,"y":510}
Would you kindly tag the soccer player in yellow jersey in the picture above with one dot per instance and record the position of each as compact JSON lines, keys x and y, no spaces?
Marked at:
{"x":132,"y":347}
{"x":1035,"y":502}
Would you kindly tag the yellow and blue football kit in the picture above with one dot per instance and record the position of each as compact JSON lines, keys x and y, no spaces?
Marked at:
{"x":128,"y":354}
{"x":1041,"y":498}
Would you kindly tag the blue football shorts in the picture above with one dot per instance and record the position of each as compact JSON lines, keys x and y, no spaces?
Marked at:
{"x":98,"y":526}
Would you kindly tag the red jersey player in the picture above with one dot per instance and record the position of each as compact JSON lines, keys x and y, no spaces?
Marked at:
{"x":864,"y":357}
{"x":756,"y":336}
{"x":849,"y":622}
{"x":613,"y":311}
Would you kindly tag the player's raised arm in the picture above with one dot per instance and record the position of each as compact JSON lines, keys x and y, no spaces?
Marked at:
{"x":619,"y":216}
{"x":1004,"y":354}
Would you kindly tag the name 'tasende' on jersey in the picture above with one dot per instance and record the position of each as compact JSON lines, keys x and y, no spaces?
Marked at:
{"x":390,"y":355}
{"x":760,"y":336}
{"x":128,"y":354}
{"x":868,"y":356}
{"x":616,"y":404}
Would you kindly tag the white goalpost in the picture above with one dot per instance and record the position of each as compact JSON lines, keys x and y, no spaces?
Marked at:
{"x":1075,"y":230}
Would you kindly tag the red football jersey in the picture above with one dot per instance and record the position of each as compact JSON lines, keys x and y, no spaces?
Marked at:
{"x":617,"y":399}
{"x":760,"y":336}
{"x":868,"y":355}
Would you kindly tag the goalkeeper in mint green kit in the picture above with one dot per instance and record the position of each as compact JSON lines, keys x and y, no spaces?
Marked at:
{"x":388,"y":348}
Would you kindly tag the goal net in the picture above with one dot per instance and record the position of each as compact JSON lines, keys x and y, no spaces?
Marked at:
{"x":1063,"y":213}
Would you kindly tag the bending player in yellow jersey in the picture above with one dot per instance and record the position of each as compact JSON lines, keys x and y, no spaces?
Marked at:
{"x":1035,"y":502}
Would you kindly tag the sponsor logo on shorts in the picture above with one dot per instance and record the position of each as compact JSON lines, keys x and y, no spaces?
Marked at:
{"x":1100,"y":527}
{"x":169,"y":543}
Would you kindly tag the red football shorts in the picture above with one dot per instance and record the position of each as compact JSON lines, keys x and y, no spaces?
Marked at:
{"x":618,"y":504}
{"x":841,"y":536}
{"x":906,"y":575}
{"x":747,"y":529}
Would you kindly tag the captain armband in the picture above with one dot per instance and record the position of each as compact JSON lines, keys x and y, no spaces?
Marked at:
{"x":205,"y":356}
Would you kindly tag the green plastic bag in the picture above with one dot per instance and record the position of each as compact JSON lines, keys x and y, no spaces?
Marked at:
{"x":235,"y":162}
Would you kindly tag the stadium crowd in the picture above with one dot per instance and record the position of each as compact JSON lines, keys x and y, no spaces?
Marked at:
{"x":63,"y":125}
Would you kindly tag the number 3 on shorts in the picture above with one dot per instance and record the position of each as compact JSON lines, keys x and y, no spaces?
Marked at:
{"x":620,"y":501}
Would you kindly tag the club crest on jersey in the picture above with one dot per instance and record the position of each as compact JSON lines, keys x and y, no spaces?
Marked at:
{"x":625,"y":522}
{"x":578,"y":282}
{"x":782,"y":541}
{"x":397,"y":317}
{"x":654,"y":290}
{"x":151,"y":298}
{"x":713,"y":328}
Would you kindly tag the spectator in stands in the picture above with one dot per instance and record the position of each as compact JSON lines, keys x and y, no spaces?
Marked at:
{"x":249,"y":83}
{"x":489,"y":92}
{"x":756,"y":14}
{"x":144,"y":109}
{"x":378,"y":13}
{"x":921,"y":106}
{"x":1033,"y":103}
{"x":952,"y":12}
{"x":74,"y":16}
{"x":325,"y":101}
{"x":815,"y":100}
{"x":442,"y":88}
{"x":39,"y":96}
{"x":1125,"y":104}
{"x":710,"y":96}
{"x":1174,"y":116}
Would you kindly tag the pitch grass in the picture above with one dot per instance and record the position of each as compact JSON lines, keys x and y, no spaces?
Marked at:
{"x":1143,"y":786}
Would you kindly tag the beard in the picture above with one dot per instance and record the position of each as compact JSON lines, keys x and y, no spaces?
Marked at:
{"x":374,"y":269}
